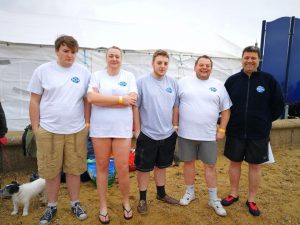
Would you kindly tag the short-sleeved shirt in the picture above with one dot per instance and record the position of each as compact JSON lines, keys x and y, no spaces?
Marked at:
{"x":108,"y":121}
{"x":200,"y":102}
{"x":62,"y":90}
{"x":156,"y":100}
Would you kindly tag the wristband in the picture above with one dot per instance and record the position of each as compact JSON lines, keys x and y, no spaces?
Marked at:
{"x":221,"y":130}
{"x":175,"y":127}
{"x":120,"y":101}
{"x":87,"y":125}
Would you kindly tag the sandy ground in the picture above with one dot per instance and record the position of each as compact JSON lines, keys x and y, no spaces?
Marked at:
{"x":278,"y":198}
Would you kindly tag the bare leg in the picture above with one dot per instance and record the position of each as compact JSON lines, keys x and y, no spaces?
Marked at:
{"x":254,"y":181}
{"x":189,"y":172}
{"x":102,"y":149}
{"x":159,"y":176}
{"x":143,"y":180}
{"x":52,"y":188}
{"x":210,"y":175}
{"x":73,"y":184}
{"x":121,"y":148}
{"x":234,"y":176}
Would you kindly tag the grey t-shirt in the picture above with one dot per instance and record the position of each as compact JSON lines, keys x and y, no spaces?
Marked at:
{"x":155,"y":102}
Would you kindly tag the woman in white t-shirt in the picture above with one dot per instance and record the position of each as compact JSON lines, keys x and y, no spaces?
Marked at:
{"x":112,"y":92}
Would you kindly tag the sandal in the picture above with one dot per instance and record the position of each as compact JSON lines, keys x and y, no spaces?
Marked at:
{"x":127,"y":212}
{"x":106,"y":221}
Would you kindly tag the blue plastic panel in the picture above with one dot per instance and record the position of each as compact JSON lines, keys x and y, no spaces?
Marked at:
{"x":293,"y":94}
{"x":276,"y":49}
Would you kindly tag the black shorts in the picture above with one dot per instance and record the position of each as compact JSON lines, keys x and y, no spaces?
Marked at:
{"x":150,"y":153}
{"x":252,"y":151}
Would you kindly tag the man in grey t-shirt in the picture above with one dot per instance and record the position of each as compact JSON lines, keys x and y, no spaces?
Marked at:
{"x":154,"y":128}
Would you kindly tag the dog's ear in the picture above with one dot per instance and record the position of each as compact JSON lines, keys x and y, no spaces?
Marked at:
{"x":12,"y":188}
{"x":15,"y":188}
{"x":15,"y":183}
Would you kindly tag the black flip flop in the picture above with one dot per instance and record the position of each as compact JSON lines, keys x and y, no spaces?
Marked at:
{"x":105,"y":216}
{"x":127,"y":211}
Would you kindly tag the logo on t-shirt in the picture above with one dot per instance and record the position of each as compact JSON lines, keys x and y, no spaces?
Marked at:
{"x":122,"y":83}
{"x":75,"y":80}
{"x":213,"y":89}
{"x":169,"y":90}
{"x":260,"y":89}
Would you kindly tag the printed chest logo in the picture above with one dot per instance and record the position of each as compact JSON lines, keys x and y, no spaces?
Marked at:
{"x":169,"y":90}
{"x":213,"y":89}
{"x":122,"y":83}
{"x":75,"y":80}
{"x":260,"y":89}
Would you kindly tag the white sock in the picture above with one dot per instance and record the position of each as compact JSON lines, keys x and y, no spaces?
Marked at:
{"x":212,"y":192}
{"x":190,"y":189}
{"x":52,"y":204}
{"x":73,"y":202}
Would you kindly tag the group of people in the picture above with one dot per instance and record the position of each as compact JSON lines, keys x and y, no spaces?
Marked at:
{"x":67,"y":101}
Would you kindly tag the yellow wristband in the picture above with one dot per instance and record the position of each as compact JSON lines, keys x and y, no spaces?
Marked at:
{"x":175,"y":127}
{"x":221,"y":130}
{"x":120,"y":101}
{"x":87,"y":125}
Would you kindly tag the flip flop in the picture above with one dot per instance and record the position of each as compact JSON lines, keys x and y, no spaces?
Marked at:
{"x":127,"y":212}
{"x":105,"y":217}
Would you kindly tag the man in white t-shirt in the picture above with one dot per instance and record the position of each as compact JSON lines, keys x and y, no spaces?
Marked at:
{"x":59,"y":116}
{"x":201,"y":99}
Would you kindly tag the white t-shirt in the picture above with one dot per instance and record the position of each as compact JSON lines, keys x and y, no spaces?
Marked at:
{"x":108,"y":121}
{"x":200,"y":102}
{"x":62,"y":90}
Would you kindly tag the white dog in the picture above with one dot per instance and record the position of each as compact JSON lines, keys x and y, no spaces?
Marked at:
{"x":23,"y":193}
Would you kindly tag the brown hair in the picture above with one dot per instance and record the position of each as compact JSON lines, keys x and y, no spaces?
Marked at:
{"x":115,"y":47}
{"x":69,"y":41}
{"x":205,"y":57}
{"x":159,"y":52}
{"x":252,"y":49}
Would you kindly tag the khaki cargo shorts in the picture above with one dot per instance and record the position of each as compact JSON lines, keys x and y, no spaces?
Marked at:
{"x":57,"y":152}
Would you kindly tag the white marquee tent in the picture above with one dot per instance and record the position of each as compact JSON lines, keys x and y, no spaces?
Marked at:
{"x":186,"y":28}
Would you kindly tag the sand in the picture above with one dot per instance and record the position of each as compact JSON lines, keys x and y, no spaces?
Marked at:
{"x":278,"y":198}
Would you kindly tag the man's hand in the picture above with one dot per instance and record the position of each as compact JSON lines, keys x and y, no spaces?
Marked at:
{"x":220,"y":134}
{"x":129,"y":100}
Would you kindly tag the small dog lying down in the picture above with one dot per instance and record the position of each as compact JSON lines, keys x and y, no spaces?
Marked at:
{"x":23,"y":193}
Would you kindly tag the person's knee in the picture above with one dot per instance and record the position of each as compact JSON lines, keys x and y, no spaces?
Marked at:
{"x":189,"y":163}
{"x":235,"y":165}
{"x":122,"y":168}
{"x":102,"y":166}
{"x":254,"y":167}
{"x":209,"y":167}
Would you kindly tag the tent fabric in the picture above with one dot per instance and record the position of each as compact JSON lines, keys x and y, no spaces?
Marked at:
{"x":18,"y":61}
{"x":43,"y":30}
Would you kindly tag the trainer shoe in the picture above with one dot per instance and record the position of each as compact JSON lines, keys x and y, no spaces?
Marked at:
{"x":78,"y":211}
{"x":168,"y":199}
{"x":142,"y":207}
{"x":217,"y":206}
{"x":187,"y":198}
{"x":253,"y":209}
{"x":48,"y":215}
{"x":229,"y":200}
